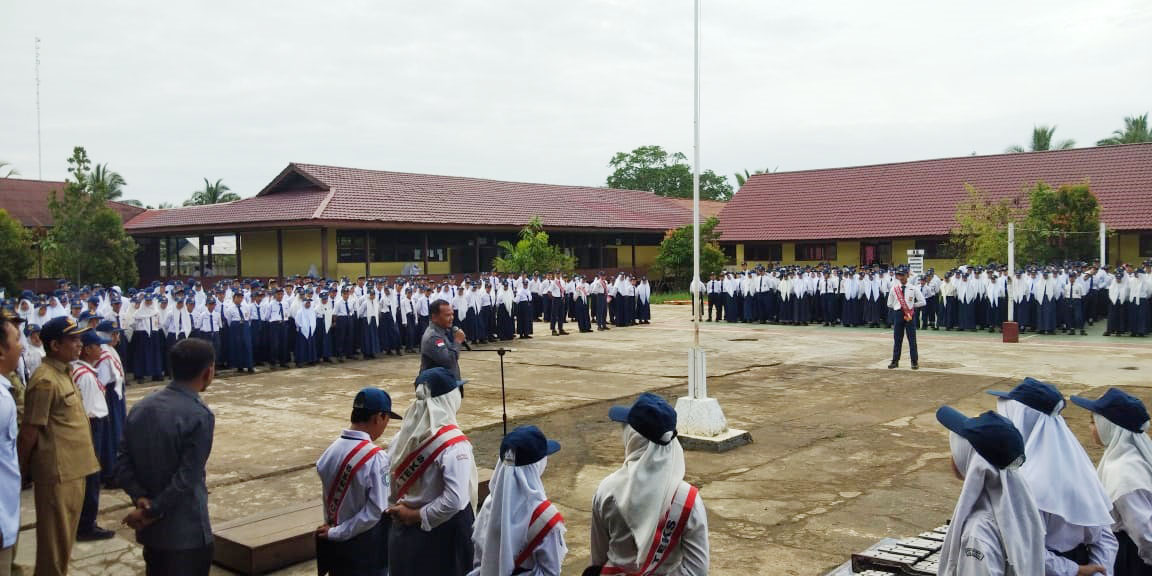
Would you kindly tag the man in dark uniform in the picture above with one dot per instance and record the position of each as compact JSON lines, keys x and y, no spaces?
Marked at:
{"x":440,"y":345}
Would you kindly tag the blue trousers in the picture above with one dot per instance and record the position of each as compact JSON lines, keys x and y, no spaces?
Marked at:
{"x":92,"y":482}
{"x":900,"y":329}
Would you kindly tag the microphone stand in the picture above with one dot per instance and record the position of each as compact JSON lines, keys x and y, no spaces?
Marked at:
{"x":501,"y":351}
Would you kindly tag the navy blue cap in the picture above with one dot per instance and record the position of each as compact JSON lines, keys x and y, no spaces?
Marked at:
{"x":84,"y":316}
{"x":108,"y":327}
{"x":1119,"y":407}
{"x":992,"y":436}
{"x":439,"y":381}
{"x":1037,"y":395}
{"x":60,"y":327}
{"x":31,"y":328}
{"x":93,"y":299}
{"x":650,"y":415}
{"x":375,"y":400}
{"x":527,"y":445}
{"x":91,"y":338}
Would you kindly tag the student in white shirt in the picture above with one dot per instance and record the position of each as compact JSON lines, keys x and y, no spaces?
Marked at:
{"x":1072,"y":502}
{"x":431,"y":498}
{"x":96,"y":406}
{"x":904,"y":302}
{"x":518,"y":530}
{"x":354,"y":472}
{"x":1120,"y":424}
{"x":996,"y":528}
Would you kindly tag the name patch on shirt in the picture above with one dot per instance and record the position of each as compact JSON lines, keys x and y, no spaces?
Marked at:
{"x":974,"y":553}
{"x":440,"y":342}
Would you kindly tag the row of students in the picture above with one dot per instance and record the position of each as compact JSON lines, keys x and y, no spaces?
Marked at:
{"x":1032,"y":503}
{"x":1045,"y":300}
{"x":409,"y":510}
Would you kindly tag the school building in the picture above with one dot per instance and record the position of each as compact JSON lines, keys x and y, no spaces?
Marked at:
{"x":335,"y":222}
{"x":874,"y":214}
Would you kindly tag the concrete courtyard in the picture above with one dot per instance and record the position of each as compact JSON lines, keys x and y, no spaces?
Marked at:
{"x":845,"y":451}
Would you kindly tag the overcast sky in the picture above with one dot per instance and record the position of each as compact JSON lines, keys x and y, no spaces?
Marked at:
{"x":547,"y":91}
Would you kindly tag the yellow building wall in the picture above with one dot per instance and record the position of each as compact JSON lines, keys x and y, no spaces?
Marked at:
{"x":1127,"y":248}
{"x":258,"y":254}
{"x":645,"y":256}
{"x":848,"y":254}
{"x":900,"y":250}
{"x":739,"y":254}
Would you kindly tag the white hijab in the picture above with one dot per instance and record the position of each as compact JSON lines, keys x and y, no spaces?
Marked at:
{"x":306,"y":321}
{"x":644,"y":485}
{"x":422,"y":419}
{"x":502,"y":526}
{"x":1127,"y":462}
{"x":1058,"y":470}
{"x":1006,"y":494}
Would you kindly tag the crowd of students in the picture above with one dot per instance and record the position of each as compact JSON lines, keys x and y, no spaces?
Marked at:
{"x":1044,"y":299}
{"x":304,"y":321}
{"x":1032,"y":503}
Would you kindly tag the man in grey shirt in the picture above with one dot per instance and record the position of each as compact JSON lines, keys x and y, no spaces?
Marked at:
{"x":440,"y":346}
{"x":160,"y":464}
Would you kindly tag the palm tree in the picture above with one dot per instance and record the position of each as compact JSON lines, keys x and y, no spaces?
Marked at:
{"x":741,"y":178}
{"x":106,"y":183}
{"x":10,"y":172}
{"x":1042,"y":140}
{"x":217,"y":193}
{"x":1135,"y":130}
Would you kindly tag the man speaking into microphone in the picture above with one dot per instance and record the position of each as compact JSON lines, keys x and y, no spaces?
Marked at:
{"x":440,"y":346}
{"x":904,"y":303}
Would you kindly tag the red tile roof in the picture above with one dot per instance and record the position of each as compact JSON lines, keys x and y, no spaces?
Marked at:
{"x":310,"y":194}
{"x":708,"y":208}
{"x":27,"y":201}
{"x":920,"y":198}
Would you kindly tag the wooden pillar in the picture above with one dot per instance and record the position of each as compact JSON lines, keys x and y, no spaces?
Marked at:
{"x":477,"y":242}
{"x":279,"y":254}
{"x":425,"y":236}
{"x":367,"y":254}
{"x":323,"y":252}
{"x":178,"y":270}
{"x":633,"y":254}
{"x":200,"y":246}
{"x":239,"y":257}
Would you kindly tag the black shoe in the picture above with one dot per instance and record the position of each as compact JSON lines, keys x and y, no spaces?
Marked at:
{"x":94,"y":533}
{"x":251,"y":370}
{"x":892,"y":365}
{"x":1083,"y":333}
{"x":915,"y":366}
{"x":528,"y":337}
{"x":1107,"y":333}
{"x":554,"y":333}
{"x":563,"y":333}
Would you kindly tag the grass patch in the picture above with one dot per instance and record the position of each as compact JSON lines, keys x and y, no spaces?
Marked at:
{"x":666,"y":296}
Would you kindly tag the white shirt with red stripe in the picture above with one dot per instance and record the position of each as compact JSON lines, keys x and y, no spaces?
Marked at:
{"x":612,"y":543}
{"x":445,"y":487}
{"x":91,"y":390}
{"x":110,"y":370}
{"x":366,"y":497}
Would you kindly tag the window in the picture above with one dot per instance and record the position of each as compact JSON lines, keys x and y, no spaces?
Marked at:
{"x":349,"y":246}
{"x":1145,"y":245}
{"x":932,"y":247}
{"x":729,"y":253}
{"x":392,"y":246}
{"x":763,"y":252}
{"x":816,"y":251}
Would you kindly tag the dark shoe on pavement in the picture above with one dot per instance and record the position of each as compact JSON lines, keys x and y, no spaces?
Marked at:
{"x":892,"y":365}
{"x":563,"y":333}
{"x":915,"y":366}
{"x":95,"y":533}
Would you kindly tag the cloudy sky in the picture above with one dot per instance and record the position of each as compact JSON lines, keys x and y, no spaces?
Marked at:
{"x":547,"y":91}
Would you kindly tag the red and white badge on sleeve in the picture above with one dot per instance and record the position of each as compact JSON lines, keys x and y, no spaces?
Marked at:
{"x":439,"y":342}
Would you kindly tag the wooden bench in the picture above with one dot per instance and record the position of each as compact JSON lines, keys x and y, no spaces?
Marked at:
{"x":264,"y":542}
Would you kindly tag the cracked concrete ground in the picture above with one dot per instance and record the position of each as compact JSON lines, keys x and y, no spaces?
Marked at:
{"x":845,"y":453}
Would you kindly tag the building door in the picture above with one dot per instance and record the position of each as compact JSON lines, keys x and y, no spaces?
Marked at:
{"x":875,"y":253}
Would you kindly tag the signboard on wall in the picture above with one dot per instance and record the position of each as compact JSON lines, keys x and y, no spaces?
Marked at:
{"x":916,"y":262}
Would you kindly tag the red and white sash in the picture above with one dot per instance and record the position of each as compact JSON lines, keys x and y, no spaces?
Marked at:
{"x":668,"y":533}
{"x":106,"y":356}
{"x":903,"y":303}
{"x":415,"y":463}
{"x":344,"y":475}
{"x":81,"y":370}
{"x":544,"y":518}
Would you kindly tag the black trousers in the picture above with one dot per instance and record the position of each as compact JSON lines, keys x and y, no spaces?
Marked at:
{"x":193,"y":562}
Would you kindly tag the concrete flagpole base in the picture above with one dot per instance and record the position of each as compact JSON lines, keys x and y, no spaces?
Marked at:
{"x":700,"y":421}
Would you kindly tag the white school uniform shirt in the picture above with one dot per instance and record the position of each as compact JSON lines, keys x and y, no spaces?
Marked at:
{"x":110,"y":369}
{"x":344,"y":307}
{"x":367,"y":497}
{"x":445,"y":488}
{"x":209,"y":321}
{"x":33,"y":357}
{"x":179,"y":322}
{"x":524,"y":295}
{"x":912,"y":297}
{"x":691,"y":558}
{"x":91,"y":390}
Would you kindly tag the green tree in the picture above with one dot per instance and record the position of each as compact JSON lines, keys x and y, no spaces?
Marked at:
{"x":1135,"y":130}
{"x":6,"y":171}
{"x":675,"y":256}
{"x":532,"y":253}
{"x":1062,"y":223}
{"x":105,"y":183}
{"x":653,"y":169}
{"x":1042,"y":140}
{"x":217,"y":193}
{"x":14,"y":253}
{"x":741,"y":178}
{"x":87,"y":242}
{"x":981,"y":232}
